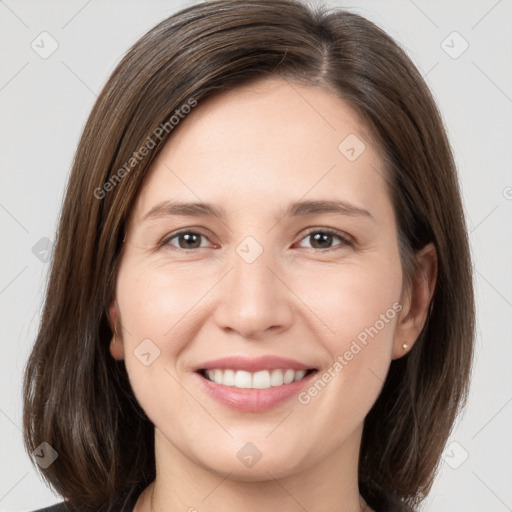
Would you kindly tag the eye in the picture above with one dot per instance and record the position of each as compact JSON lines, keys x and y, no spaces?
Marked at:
{"x":186,"y":240}
{"x":321,"y":239}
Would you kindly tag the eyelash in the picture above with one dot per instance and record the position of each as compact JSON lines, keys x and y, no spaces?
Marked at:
{"x":344,"y":239}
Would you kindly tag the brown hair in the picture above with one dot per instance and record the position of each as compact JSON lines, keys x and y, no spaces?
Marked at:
{"x":78,"y":398}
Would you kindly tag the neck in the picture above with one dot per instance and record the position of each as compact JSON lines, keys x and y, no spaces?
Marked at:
{"x":183,"y":484}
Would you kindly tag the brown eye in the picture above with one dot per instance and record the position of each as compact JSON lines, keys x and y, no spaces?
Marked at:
{"x":186,"y":240}
{"x":322,"y":239}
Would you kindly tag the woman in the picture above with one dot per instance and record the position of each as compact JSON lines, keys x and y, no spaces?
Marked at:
{"x":261,"y":292}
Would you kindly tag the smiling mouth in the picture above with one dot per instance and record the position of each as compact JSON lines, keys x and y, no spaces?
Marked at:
{"x":263,"y":379}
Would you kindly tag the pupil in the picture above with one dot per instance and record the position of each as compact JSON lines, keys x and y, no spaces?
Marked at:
{"x":322,"y":237}
{"x":189,"y":240}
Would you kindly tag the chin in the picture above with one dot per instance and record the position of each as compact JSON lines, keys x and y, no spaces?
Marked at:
{"x":264,"y":466}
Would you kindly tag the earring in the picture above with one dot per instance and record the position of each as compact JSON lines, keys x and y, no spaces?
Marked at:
{"x":405,"y":346}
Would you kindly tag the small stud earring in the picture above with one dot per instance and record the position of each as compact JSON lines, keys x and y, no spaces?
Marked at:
{"x":405,"y":346}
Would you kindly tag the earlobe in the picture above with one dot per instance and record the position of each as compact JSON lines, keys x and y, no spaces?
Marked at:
{"x":112,"y":315}
{"x":116,"y":343}
{"x":414,"y":316}
{"x":116,"y":348}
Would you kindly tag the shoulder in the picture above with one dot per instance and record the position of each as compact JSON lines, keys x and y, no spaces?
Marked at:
{"x":65,"y":506}
{"x":58,"y":507}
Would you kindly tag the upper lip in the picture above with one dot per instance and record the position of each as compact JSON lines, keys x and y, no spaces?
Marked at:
{"x":255,"y":364}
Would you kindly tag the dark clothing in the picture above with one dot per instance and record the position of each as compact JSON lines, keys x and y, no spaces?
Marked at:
{"x":62,"y":507}
{"x":59,"y":507}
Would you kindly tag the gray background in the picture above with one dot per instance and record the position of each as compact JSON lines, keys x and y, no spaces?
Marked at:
{"x":44,"y":104}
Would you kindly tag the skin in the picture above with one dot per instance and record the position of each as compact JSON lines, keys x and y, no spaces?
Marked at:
{"x":253,"y":151}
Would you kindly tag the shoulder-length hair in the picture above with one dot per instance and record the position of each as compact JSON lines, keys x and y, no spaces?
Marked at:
{"x":78,"y":398}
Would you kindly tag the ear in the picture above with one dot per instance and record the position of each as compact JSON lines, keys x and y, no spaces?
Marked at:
{"x":416,"y":301}
{"x":116,"y":343}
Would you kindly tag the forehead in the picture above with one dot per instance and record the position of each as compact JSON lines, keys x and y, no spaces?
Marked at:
{"x":267,"y":143}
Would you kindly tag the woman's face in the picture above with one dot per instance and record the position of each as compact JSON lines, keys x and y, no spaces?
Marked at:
{"x":320,"y":287}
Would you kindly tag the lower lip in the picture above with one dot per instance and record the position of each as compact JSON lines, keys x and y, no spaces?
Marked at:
{"x":253,"y":400}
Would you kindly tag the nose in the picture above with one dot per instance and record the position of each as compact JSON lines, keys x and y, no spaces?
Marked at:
{"x":255,"y":299}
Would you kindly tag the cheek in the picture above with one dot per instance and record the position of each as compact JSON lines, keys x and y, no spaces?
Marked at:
{"x":358,"y":308}
{"x":156,"y":307}
{"x":156,"y":303}
{"x":352,"y":298}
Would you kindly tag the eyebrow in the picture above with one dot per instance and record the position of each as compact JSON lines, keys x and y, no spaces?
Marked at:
{"x":298,"y":209}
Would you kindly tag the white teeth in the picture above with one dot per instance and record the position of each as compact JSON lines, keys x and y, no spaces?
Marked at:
{"x":276,"y":379}
{"x":263,"y":379}
{"x":299,"y":375}
{"x":242,"y":379}
{"x":289,"y":376}
{"x":228,"y":378}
